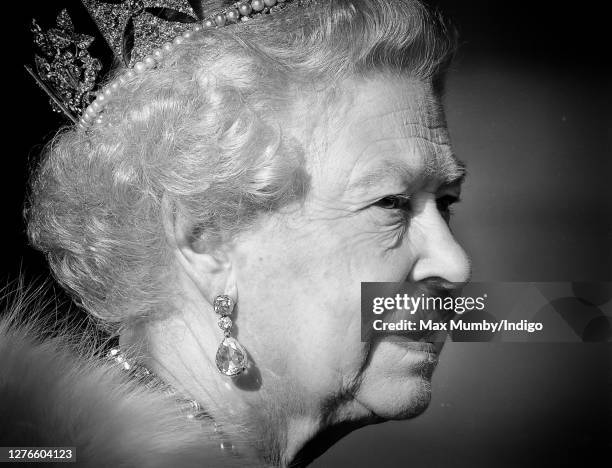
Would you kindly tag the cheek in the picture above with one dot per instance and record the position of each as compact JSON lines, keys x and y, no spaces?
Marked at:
{"x":299,"y":295}
{"x":299,"y":304}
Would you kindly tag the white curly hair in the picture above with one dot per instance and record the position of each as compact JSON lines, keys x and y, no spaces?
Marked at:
{"x":209,"y":131}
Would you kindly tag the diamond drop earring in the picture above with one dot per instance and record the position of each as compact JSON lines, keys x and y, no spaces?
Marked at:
{"x":231,"y":356}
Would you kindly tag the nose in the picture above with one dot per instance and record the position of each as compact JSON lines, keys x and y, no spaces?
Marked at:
{"x":439,"y":255}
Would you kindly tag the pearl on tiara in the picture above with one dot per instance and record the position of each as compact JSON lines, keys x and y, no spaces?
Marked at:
{"x":232,"y":15}
{"x":242,"y":10}
{"x":245,"y":9}
{"x":220,"y":20}
{"x":257,"y":5}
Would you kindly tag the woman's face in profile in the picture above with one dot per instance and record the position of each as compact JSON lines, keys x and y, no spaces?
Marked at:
{"x":376,"y":211}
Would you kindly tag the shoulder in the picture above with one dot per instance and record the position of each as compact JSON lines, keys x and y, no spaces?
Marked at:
{"x":53,"y":395}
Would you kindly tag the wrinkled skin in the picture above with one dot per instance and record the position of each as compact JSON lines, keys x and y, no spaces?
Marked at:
{"x":376,"y":211}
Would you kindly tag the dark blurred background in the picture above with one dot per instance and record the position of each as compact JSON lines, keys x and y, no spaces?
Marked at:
{"x":529,"y":104}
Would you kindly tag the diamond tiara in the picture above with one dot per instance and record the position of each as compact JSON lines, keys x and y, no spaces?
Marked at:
{"x":139,"y":32}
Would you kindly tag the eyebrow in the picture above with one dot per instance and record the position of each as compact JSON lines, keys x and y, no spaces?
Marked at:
{"x":450,"y":171}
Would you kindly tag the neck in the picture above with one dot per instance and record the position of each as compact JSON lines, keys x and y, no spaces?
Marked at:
{"x":264,"y":423}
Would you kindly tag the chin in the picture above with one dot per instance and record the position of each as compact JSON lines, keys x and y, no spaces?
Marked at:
{"x":397,"y":382}
{"x":402,"y":399}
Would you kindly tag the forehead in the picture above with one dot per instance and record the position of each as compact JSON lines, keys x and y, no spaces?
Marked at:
{"x":391,"y":131}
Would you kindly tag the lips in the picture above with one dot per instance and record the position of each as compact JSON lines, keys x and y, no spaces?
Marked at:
{"x":421,"y":346}
{"x":431,"y":349}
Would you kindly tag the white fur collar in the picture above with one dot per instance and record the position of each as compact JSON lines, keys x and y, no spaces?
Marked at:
{"x":51,"y":395}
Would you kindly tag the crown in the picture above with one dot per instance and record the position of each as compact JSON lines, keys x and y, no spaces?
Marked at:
{"x":139,"y":33}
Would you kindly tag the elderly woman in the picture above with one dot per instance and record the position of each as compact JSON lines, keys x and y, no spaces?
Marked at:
{"x":219,"y":213}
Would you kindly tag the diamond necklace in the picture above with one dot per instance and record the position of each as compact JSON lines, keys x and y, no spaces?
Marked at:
{"x":190,"y":408}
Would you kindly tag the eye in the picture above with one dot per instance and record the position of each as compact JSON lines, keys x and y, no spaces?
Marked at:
{"x":444,"y":204}
{"x":394,"y":202}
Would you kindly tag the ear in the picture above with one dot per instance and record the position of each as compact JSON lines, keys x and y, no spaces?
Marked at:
{"x":208,"y":267}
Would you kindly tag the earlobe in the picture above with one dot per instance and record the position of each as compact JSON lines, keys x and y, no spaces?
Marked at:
{"x":231,"y":288}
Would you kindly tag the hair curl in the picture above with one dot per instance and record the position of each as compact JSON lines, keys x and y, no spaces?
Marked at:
{"x":205,"y":131}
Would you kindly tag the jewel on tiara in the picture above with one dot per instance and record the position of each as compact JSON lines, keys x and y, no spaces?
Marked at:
{"x":133,"y":28}
{"x":64,"y":68}
{"x":140,"y":33}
